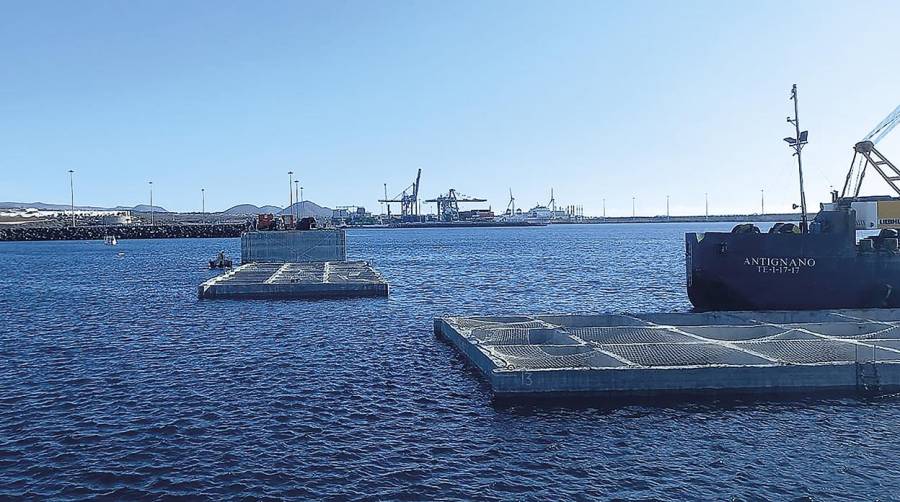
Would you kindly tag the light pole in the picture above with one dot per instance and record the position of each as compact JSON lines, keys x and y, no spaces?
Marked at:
{"x":604,"y":208}
{"x":151,"y":203}
{"x":632,"y":207}
{"x":797,"y":143}
{"x":297,"y":196}
{"x":667,"y":207}
{"x":291,"y":192}
{"x":202,"y":201}
{"x":762,"y":201}
{"x":72,"y":193}
{"x":706,"y":197}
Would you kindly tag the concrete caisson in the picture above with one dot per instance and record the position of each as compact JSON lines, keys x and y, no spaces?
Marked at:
{"x":297,"y":281}
{"x":293,"y":246}
{"x":656,"y":355}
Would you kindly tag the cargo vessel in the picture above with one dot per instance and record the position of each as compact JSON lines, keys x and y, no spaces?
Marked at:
{"x":846,"y":257}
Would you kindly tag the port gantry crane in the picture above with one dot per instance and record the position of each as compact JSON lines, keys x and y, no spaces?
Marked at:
{"x":408,"y":199}
{"x":869,"y":155}
{"x":448,"y":204}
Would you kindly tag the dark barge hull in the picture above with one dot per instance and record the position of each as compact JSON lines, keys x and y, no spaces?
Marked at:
{"x":823,"y":270}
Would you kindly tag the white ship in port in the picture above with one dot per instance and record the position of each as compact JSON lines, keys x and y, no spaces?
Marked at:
{"x":539,"y":214}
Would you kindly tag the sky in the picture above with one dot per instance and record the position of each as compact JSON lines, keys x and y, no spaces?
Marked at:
{"x":597,"y":100}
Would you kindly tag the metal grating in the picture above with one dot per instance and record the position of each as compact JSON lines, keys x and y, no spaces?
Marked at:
{"x":547,"y":342}
{"x":694,"y":354}
{"x":535,"y":357}
{"x":630,"y":335}
{"x":816,"y":351}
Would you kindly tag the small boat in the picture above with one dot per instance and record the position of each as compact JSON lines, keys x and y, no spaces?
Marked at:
{"x":110,"y":240}
{"x":220,"y":261}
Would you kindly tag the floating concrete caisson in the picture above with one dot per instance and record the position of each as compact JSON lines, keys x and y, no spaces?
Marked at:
{"x":293,"y":246}
{"x":297,"y":280}
{"x":615,"y":356}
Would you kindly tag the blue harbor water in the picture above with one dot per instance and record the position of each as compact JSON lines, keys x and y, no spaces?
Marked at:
{"x":115,"y":380}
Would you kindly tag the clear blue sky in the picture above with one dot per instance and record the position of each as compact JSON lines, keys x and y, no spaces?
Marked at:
{"x":596,"y":99}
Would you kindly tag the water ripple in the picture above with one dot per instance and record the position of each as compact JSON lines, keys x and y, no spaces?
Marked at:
{"x":117,"y":382}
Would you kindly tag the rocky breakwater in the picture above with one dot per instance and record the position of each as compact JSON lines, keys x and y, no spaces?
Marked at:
{"x":120,"y":232}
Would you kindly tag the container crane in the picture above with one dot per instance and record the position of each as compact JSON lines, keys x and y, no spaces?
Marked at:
{"x":448,"y":204}
{"x":408,"y":199}
{"x":868,"y":155}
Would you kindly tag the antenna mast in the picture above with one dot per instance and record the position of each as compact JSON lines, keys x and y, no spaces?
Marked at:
{"x":797,"y":143}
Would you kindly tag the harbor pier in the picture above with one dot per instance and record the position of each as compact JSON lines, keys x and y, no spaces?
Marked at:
{"x":98,"y":232}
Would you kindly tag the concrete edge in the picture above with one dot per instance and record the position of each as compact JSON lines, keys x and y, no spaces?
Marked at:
{"x":618,"y":382}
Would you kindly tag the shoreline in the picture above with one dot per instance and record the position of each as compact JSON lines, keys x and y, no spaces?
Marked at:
{"x":99,"y":232}
{"x":20,"y":233}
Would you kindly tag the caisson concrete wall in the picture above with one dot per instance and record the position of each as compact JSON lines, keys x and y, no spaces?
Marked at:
{"x":293,"y":246}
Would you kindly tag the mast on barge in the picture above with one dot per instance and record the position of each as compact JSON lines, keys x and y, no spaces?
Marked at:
{"x":797,"y":143}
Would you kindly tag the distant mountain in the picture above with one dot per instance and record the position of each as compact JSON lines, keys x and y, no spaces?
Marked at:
{"x":308,"y":208}
{"x":141,"y":208}
{"x":241,"y":210}
{"x":250,"y":209}
{"x":46,"y":207}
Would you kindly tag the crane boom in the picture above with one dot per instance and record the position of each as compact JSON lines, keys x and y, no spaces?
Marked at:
{"x":448,"y":204}
{"x":884,"y":127}
{"x":409,"y":203}
{"x":419,"y":176}
{"x":868,"y":155}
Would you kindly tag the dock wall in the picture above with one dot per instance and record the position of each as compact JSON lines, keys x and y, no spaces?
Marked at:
{"x":98,"y":232}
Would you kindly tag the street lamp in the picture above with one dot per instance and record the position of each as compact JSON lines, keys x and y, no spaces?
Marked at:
{"x":203,"y":201}
{"x":762,"y":201}
{"x":706,"y":197}
{"x":72,"y":193}
{"x":667,"y":207}
{"x":291,"y":192}
{"x":297,"y":196}
{"x":151,"y":203}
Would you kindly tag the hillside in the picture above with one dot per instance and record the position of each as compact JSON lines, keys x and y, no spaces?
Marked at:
{"x":142,"y":208}
{"x":251,"y":209}
{"x":46,"y":207}
{"x":241,"y":210}
{"x":308,"y":208}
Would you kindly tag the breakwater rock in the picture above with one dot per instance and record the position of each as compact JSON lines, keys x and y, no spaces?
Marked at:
{"x":120,"y":232}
